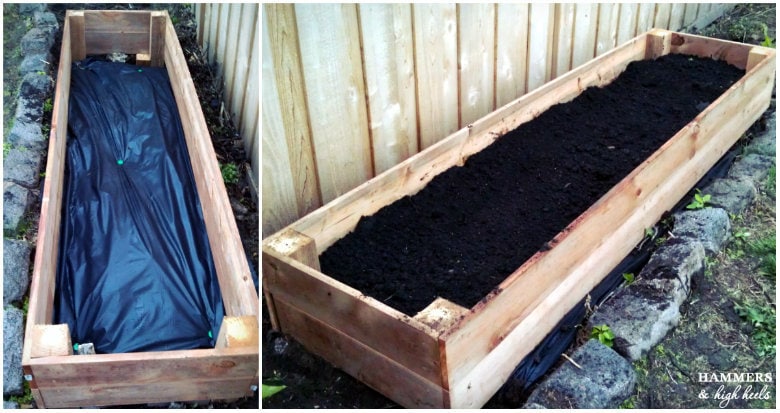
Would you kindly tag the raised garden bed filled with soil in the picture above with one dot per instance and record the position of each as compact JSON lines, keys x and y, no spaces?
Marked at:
{"x":431,"y":290}
{"x":151,"y":268}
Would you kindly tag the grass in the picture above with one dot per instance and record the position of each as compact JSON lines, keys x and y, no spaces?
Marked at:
{"x":763,"y":320}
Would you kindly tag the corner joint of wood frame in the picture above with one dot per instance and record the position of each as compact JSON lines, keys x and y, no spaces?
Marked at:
{"x":659,"y":43}
{"x":296,"y":245}
{"x":242,"y":331}
{"x":50,"y":340}
{"x":756,"y":55}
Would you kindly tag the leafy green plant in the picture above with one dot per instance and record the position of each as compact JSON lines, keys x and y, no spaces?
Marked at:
{"x":269,"y":390}
{"x":765,"y":249}
{"x":629,"y":278}
{"x":768,"y":41}
{"x":763,"y":320}
{"x":48,"y":106}
{"x":229,"y":173}
{"x":603,"y":334}
{"x":6,"y":148}
{"x":699,"y":201}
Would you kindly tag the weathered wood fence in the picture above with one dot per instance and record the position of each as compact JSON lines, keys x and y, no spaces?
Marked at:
{"x":349,"y":90}
{"x":230,"y":36}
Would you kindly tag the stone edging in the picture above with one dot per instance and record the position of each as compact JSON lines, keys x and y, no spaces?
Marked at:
{"x":642,"y":313}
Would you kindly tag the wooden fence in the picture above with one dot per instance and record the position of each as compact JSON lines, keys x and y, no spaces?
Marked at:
{"x":230,"y":35}
{"x":349,"y":90}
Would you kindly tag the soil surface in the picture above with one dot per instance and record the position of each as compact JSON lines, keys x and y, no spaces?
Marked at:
{"x":450,"y":239}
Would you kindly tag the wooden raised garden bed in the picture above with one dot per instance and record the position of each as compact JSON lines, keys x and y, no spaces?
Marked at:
{"x":450,"y":356}
{"x":58,"y":378}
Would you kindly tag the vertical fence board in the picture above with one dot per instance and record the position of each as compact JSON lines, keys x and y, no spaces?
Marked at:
{"x":584,"y":33}
{"x":435,"y":40}
{"x":562,"y":42}
{"x":245,"y":52}
{"x":284,"y":55}
{"x":476,"y":31}
{"x":329,"y":42}
{"x":645,"y":17}
{"x":249,"y":122}
{"x":691,"y":9}
{"x":223,"y":43}
{"x":511,"y":51}
{"x":662,"y":14}
{"x":608,"y":26}
{"x":627,"y":22}
{"x":388,"y":59}
{"x":231,"y":47}
{"x":279,"y":205}
{"x":540,"y":44}
{"x":677,"y":16}
{"x":213,"y":39}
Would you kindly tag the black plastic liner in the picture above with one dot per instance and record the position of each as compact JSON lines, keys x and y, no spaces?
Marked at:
{"x":135,"y":271}
{"x":547,"y":353}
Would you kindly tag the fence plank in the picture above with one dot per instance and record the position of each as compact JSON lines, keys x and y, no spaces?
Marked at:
{"x":645,"y":17}
{"x":607,"y":30}
{"x":540,"y":44}
{"x":333,"y":75}
{"x":627,"y":22}
{"x":511,"y":51}
{"x":677,"y":16}
{"x":279,"y":205}
{"x":388,"y":58}
{"x":562,"y":43}
{"x":584,"y":33}
{"x":691,"y":10}
{"x":436,"y":48}
{"x":476,"y":33}
{"x":231,"y":45}
{"x":249,"y":120}
{"x":245,"y":51}
{"x":662,"y":14}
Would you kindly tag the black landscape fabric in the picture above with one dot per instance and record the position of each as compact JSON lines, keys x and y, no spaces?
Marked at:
{"x":135,"y":271}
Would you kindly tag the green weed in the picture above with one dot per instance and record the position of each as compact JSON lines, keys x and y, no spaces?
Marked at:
{"x":603,"y":334}
{"x":269,"y":390}
{"x":765,"y":249}
{"x":229,"y":173}
{"x":699,"y":201}
{"x":629,"y":277}
{"x":763,"y":320}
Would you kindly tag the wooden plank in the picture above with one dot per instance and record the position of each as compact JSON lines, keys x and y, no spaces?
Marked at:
{"x":606,"y":38}
{"x":249,"y":126}
{"x":247,"y":50}
{"x":130,"y":378}
{"x":213,"y":38}
{"x":663,"y":13}
{"x":50,"y":340}
{"x":511,"y":51}
{"x":223,"y":39}
{"x":436,"y":45}
{"x":440,"y":314}
{"x":627,"y":22}
{"x":732,"y":52}
{"x":200,"y":12}
{"x":232,"y":44}
{"x":388,"y":60}
{"x":691,"y":10}
{"x":540,"y":44}
{"x":238,"y":332}
{"x":563,"y":38}
{"x":235,"y":280}
{"x":584,"y":33}
{"x":367,"y":365}
{"x":157,"y":39}
{"x":365,"y":319}
{"x":116,"y":31}
{"x":659,"y":43}
{"x":333,"y":75}
{"x":677,"y":16}
{"x":78,"y":45}
{"x":645,"y":17}
{"x":476,"y":60}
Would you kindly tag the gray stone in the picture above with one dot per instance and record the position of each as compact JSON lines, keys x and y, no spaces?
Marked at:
{"x":733,"y":195}
{"x":45,"y":20}
{"x":36,"y":41}
{"x":753,"y":166}
{"x":16,"y":267}
{"x":36,"y":86}
{"x":36,"y":63}
{"x":31,"y":7}
{"x":10,"y":405}
{"x":604,"y":381}
{"x":641,"y":314}
{"x":711,"y":226}
{"x":23,"y":166}
{"x":28,"y":135}
{"x":16,"y":200}
{"x":766,"y":142}
{"x":12,"y":351}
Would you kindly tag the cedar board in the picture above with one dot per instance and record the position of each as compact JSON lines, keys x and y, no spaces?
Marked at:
{"x":58,"y":378}
{"x":467,"y":354}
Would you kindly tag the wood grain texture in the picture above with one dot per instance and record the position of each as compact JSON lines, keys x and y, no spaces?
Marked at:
{"x":157,"y":39}
{"x":436,"y":66}
{"x":606,"y":37}
{"x":476,"y":60}
{"x":50,"y":340}
{"x":540,"y":45}
{"x":231,"y":55}
{"x":563,"y":39}
{"x":246,"y":50}
{"x":511,"y":51}
{"x":663,"y":13}
{"x":627,"y":22}
{"x":585,"y":29}
{"x":677,"y":16}
{"x":116,"y":31}
{"x":388,"y":59}
{"x":645,"y":17}
{"x":78,"y":46}
{"x":329,"y":43}
{"x":691,"y":11}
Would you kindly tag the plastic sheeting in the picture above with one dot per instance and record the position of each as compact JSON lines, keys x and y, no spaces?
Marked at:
{"x":135,"y":271}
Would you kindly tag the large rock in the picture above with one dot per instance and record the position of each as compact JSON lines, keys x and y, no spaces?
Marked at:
{"x":23,"y":166}
{"x":10,"y":405}
{"x":36,"y":63}
{"x":603,"y":382}
{"x":45,"y":20}
{"x":766,"y":142}
{"x":641,"y":314}
{"x":753,"y":166}
{"x":36,"y":41}
{"x":710,"y":226}
{"x":28,"y":135}
{"x":16,"y":200}
{"x":16,"y":266}
{"x":29,"y":8}
{"x":733,"y":195}
{"x":12,"y":351}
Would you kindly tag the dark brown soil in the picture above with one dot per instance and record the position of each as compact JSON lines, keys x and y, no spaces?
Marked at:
{"x":453,"y":238}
